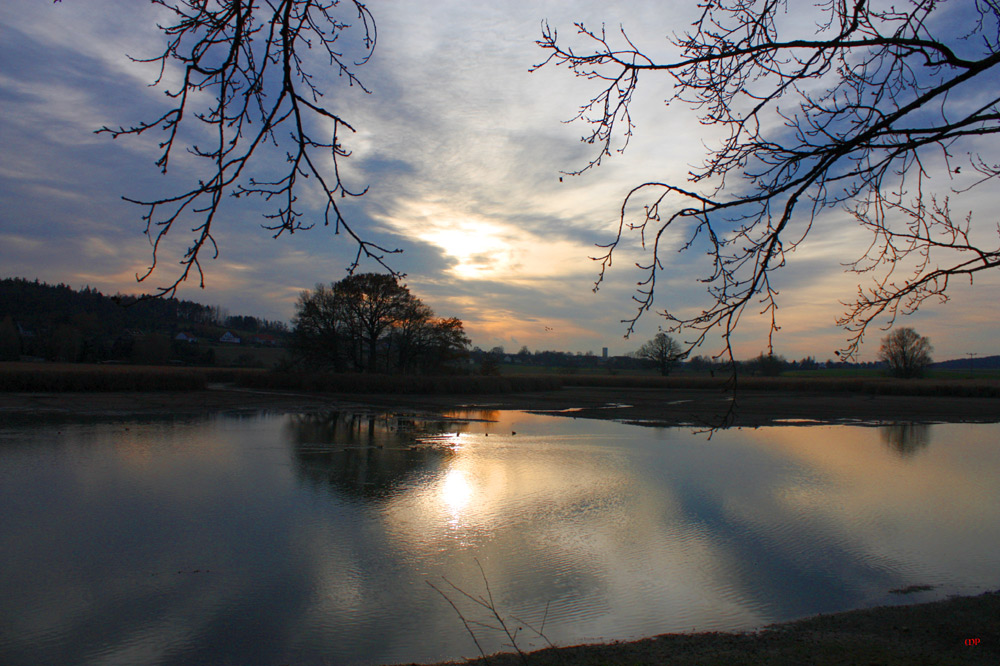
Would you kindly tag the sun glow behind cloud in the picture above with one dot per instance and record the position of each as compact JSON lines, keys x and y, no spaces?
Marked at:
{"x":479,"y":249}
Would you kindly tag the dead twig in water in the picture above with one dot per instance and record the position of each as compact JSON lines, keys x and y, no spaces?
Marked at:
{"x":487,"y":603}
{"x":461,"y":617}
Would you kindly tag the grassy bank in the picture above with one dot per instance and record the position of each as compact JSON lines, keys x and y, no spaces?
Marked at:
{"x":71,"y":377}
{"x":83,"y":377}
{"x":979,"y":388}
{"x":398,"y":384}
{"x":68,"y":377}
{"x":472,"y":384}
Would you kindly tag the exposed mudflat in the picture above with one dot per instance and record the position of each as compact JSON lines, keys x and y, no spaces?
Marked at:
{"x":711,"y":408}
{"x":660,"y":407}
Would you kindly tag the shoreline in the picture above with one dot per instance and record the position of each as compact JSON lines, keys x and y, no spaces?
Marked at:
{"x":658,"y":407}
{"x":957,"y":630}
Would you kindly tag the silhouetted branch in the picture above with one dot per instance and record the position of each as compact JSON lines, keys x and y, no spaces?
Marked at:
{"x":870,"y":105}
{"x":245,"y":84}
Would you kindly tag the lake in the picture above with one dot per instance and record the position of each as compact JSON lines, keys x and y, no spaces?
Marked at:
{"x":355,"y":537}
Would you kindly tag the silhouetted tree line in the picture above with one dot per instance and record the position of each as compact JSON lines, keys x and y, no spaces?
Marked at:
{"x":489,"y":362}
{"x":59,"y":323}
{"x":369,"y":322}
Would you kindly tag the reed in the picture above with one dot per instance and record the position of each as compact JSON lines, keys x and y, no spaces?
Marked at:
{"x":397,"y":384}
{"x":68,"y":377}
{"x":970,"y":388}
{"x":230,"y":375}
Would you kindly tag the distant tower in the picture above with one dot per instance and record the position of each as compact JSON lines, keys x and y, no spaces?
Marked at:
{"x":604,"y":353}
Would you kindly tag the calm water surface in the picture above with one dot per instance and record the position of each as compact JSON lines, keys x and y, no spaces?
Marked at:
{"x":314,"y":539}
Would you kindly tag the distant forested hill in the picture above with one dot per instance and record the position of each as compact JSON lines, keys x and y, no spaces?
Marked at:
{"x":60,"y":323}
{"x":976,"y":363}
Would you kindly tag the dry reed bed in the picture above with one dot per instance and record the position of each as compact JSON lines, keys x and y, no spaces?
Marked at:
{"x":398,"y":384}
{"x":82,"y":377}
{"x":977,"y":388}
{"x":67,"y":377}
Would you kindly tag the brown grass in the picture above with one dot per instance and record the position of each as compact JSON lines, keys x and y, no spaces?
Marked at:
{"x":980,"y":388}
{"x":397,"y":384}
{"x":70,"y":377}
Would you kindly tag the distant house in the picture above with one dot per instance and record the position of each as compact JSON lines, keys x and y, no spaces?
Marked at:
{"x":24,"y":332}
{"x":185,"y":337}
{"x":265,"y":340}
{"x":229,"y":338}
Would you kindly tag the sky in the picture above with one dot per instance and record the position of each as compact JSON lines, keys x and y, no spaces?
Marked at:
{"x":462,"y":148}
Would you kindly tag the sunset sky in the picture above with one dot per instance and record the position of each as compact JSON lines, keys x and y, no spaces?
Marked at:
{"x":462,"y":148}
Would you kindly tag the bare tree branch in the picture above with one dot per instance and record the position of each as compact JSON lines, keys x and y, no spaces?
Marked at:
{"x":870,"y":105}
{"x":247,"y":87}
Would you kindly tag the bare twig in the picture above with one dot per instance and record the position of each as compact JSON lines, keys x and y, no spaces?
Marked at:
{"x":851,"y":116}
{"x":497,"y":622}
{"x":247,"y":88}
{"x":461,"y":617}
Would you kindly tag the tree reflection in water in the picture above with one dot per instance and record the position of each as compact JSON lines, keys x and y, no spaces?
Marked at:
{"x":367,"y":454}
{"x":906,"y":439}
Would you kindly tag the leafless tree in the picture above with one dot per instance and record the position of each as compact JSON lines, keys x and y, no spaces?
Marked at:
{"x":370,"y":322}
{"x":857,"y":113}
{"x":905,"y":352}
{"x":662,"y":350}
{"x":249,"y":109}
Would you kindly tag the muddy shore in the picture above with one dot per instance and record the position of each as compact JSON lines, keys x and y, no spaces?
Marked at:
{"x":963,"y":630}
{"x":960,"y":631}
{"x":655,"y":407}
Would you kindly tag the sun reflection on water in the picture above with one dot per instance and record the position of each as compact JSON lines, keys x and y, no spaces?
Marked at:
{"x":456,"y":491}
